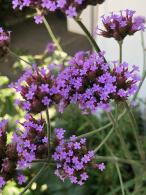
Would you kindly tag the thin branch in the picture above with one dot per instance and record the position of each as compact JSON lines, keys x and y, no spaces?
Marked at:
{"x":48,"y":130}
{"x":18,"y":57}
{"x":120,"y":51}
{"x":101,"y":128}
{"x":95,"y":131}
{"x":33,"y":179}
{"x":135,"y":128}
{"x":88,"y":35}
{"x":120,"y":178}
{"x":104,"y":140}
{"x":119,"y":134}
{"x":144,"y":66}
{"x":48,"y":27}
{"x":120,"y":160}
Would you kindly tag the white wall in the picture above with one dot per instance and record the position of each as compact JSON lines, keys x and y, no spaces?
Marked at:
{"x":88,"y":16}
{"x":132,"y":44}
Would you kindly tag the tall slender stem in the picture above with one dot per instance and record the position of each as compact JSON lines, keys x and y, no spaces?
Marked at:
{"x":101,"y":128}
{"x":144,"y":51}
{"x":33,"y":179}
{"x":135,"y":128}
{"x":88,"y":35}
{"x":18,"y":57}
{"x":144,"y":66}
{"x":48,"y":130}
{"x":104,"y":140}
{"x":94,"y":131}
{"x":140,"y":85}
{"x":120,"y":178}
{"x":117,"y":159}
{"x":119,"y":174}
{"x":120,"y":51}
{"x":119,"y":134}
{"x":48,"y":27}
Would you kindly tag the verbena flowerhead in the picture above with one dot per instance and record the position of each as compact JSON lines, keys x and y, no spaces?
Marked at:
{"x":8,"y":157}
{"x":91,"y":83}
{"x":127,"y":78}
{"x":31,"y":141}
{"x":4,"y":41}
{"x":82,"y":82}
{"x":69,"y":7}
{"x":36,"y":87}
{"x":73,"y":158}
{"x":119,"y":25}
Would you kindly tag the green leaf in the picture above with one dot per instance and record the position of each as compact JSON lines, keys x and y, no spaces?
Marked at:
{"x":3,"y":80}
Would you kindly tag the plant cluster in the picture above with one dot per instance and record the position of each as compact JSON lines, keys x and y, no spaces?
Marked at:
{"x":88,"y":81}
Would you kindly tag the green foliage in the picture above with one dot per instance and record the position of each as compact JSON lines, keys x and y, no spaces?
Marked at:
{"x":6,"y":98}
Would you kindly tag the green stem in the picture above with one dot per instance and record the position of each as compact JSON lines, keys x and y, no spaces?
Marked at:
{"x":144,"y":50}
{"x":144,"y":66}
{"x":104,"y":140}
{"x":120,"y":160}
{"x":18,"y":57}
{"x":88,"y":35}
{"x":48,"y":27}
{"x":33,"y":179}
{"x":95,"y":131}
{"x":120,"y":178}
{"x":48,"y":130}
{"x":101,"y":128}
{"x":116,"y":113}
{"x":119,"y":134}
{"x":135,"y":128}
{"x":140,"y":85}
{"x":119,"y":174}
{"x":120,"y":51}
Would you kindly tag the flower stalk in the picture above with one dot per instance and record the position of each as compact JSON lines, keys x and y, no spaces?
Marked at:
{"x":48,"y":27}
{"x":135,"y":128}
{"x":18,"y":57}
{"x":120,"y":50}
{"x":48,"y":130}
{"x":104,"y":140}
{"x":33,"y":179}
{"x":88,"y":35}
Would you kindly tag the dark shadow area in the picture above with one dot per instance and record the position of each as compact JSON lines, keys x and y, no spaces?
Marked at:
{"x":30,"y":38}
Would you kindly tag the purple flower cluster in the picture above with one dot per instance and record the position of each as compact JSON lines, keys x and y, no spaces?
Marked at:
{"x":126,"y":80}
{"x":91,"y":83}
{"x":4,"y":41}
{"x":70,"y":7}
{"x":27,"y":145}
{"x":32,"y":142}
{"x":8,"y":157}
{"x":119,"y":25}
{"x":37,"y":87}
{"x":73,"y":158}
